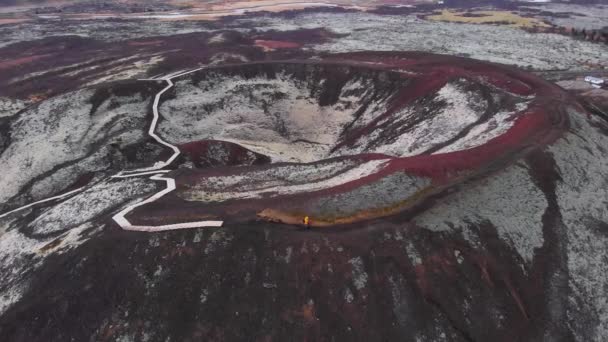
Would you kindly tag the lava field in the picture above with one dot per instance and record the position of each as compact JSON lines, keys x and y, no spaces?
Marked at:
{"x":446,"y":199}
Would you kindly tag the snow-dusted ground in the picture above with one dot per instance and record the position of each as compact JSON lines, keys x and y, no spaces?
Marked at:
{"x":129,"y":71}
{"x":508,"y":200}
{"x":62,"y":130}
{"x":275,"y":117}
{"x":582,"y":196}
{"x":64,"y":225}
{"x":280,"y":180}
{"x":455,"y":109}
{"x":486,"y":42}
{"x":9,"y":107}
{"x":581,"y":16}
{"x":105,"y":30}
{"x":118,"y":69}
{"x":511,"y":202}
{"x":21,"y":256}
{"x":377,"y":195}
{"x":485,"y":131}
{"x":90,"y":203}
{"x":367,"y":31}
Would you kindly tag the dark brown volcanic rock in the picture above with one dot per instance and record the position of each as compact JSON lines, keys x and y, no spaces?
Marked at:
{"x":260,"y":282}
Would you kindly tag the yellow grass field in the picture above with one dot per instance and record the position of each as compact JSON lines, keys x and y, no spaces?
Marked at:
{"x":487,"y":17}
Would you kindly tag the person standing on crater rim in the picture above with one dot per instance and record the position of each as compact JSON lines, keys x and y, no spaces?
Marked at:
{"x":306,"y":221}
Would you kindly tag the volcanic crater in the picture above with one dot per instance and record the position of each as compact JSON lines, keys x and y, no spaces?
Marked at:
{"x":345,"y":138}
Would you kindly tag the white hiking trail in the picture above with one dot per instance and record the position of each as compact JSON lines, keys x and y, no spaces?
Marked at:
{"x":155,"y":169}
{"x":126,"y":225}
{"x":42,"y":201}
{"x":139,"y":174}
{"x":159,"y":164}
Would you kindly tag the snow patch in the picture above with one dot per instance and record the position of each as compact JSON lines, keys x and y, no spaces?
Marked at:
{"x":358,"y":272}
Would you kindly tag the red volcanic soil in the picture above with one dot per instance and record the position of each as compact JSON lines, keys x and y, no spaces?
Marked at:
{"x":11,"y":63}
{"x":275,"y":44}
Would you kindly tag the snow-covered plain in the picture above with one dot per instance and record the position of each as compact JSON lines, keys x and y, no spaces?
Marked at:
{"x":366,"y":31}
